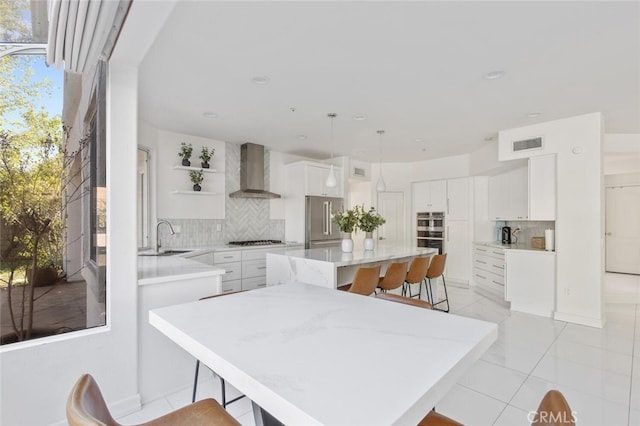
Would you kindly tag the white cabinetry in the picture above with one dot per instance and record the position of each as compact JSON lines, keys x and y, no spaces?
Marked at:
{"x":316,"y":181}
{"x":489,"y":270}
{"x":542,"y":187}
{"x":508,"y":195}
{"x":532,"y":283}
{"x":458,"y":249}
{"x":430,"y":196}
{"x":458,"y":199}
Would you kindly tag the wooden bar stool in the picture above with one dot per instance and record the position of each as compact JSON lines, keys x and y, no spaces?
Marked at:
{"x":436,"y":269}
{"x":365,"y":281}
{"x":416,"y":275}
{"x":394,"y":276}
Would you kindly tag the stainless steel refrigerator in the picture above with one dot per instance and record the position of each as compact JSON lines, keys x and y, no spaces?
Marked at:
{"x":320,"y":229}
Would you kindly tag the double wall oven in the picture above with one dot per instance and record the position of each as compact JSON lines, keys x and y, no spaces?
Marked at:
{"x":430,"y":230}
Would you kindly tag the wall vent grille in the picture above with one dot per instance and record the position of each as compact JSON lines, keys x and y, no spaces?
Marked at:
{"x":358,"y":172}
{"x":527,"y":144}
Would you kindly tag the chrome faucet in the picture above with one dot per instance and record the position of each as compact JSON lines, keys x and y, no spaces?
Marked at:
{"x":158,"y":245}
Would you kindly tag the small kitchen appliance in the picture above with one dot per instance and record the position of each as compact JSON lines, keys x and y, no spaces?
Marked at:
{"x":506,"y":235}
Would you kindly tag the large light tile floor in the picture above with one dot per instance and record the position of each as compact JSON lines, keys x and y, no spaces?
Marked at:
{"x":598,"y":370}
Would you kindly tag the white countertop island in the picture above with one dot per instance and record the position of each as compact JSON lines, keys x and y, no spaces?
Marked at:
{"x":331,"y":267}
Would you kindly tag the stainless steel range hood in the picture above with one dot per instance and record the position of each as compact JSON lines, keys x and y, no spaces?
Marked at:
{"x":252,"y":173}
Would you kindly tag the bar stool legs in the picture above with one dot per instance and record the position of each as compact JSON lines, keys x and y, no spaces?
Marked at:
{"x":436,"y":269}
{"x":446,"y":296}
{"x":223,"y":388}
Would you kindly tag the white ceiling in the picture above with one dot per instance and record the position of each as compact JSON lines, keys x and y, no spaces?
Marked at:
{"x":413,"y":69}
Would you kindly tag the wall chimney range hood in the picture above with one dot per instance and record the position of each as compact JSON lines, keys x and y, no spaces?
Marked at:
{"x":252,"y":173}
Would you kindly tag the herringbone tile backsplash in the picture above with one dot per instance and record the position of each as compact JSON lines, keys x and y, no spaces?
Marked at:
{"x":246,"y":218}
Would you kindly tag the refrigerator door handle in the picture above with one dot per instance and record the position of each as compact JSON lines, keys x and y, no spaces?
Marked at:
{"x":325,"y":208}
{"x":329,"y":218}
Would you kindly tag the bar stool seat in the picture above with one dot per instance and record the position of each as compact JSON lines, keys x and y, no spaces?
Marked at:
{"x":394,"y":276}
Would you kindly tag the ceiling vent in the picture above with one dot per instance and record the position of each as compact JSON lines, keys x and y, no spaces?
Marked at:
{"x":526,"y":144}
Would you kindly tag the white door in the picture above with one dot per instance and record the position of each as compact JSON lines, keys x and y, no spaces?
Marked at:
{"x":391,"y":207}
{"x":623,"y":230}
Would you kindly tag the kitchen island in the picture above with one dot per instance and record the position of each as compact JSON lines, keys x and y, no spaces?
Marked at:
{"x":331,"y":267}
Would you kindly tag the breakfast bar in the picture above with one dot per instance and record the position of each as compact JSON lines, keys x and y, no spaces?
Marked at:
{"x":331,"y":267}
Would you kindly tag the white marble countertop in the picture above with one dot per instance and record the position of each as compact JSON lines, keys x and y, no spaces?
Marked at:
{"x":336,"y":256}
{"x":159,"y":269}
{"x":517,"y":246}
{"x":312,"y":356}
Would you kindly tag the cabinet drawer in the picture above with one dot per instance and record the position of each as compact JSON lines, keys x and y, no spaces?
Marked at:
{"x":489,"y":281}
{"x":254,"y":255}
{"x":254,"y":283}
{"x":254,"y":268}
{"x":230,"y":286}
{"x":233,"y":271}
{"x":488,"y":263}
{"x":226,"y":256}
{"x":489,"y":251}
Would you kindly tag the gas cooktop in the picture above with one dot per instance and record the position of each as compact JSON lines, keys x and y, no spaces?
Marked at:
{"x":255,"y":243}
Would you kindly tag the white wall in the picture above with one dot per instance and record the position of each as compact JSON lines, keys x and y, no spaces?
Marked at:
{"x":189,"y":206}
{"x":577,"y":142}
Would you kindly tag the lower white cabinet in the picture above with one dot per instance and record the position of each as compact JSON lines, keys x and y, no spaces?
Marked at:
{"x":489,"y":270}
{"x":532,"y":283}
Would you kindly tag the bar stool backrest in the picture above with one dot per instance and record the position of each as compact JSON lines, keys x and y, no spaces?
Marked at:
{"x":418,"y":270}
{"x":395,"y":276}
{"x":365,"y":281}
{"x":436,"y":268}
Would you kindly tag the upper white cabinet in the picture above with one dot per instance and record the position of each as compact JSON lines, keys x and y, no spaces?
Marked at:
{"x":458,"y":199}
{"x":542,"y":187}
{"x":508,"y":195}
{"x":316,"y":181}
{"x":430,"y":196}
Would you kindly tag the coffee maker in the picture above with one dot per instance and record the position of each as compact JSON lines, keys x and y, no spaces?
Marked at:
{"x":506,"y":235}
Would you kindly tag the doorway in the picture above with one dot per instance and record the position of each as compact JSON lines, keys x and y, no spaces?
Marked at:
{"x":622,"y":253}
{"x":391,"y":207}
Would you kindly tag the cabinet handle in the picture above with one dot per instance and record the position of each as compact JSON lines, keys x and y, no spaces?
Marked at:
{"x":261,"y":267}
{"x":447,"y":232}
{"x":230,"y":271}
{"x":479,"y":249}
{"x":227,"y":257}
{"x":227,"y":291}
{"x":480,"y":261}
{"x":262,"y":285}
{"x":496,"y":282}
{"x":480,"y":276}
{"x":498,"y":266}
{"x":447,"y":206}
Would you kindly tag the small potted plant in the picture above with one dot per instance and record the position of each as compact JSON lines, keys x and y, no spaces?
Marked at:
{"x":369,"y":221}
{"x":185,"y":152}
{"x":205,"y":156}
{"x":197,"y":176}
{"x":347,"y":222}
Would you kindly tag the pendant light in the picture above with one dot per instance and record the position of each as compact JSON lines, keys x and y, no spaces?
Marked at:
{"x":380,"y":186}
{"x":331,"y":179}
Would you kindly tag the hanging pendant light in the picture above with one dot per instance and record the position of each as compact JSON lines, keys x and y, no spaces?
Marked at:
{"x":331,"y":179}
{"x":380,"y":186}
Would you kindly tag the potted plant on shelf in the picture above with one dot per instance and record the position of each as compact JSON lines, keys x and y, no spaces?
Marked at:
{"x":369,"y":221}
{"x":197,"y":176}
{"x":205,"y":156}
{"x":185,"y":152}
{"x":347,"y":222}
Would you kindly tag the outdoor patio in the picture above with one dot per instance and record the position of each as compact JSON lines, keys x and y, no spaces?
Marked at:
{"x":60,"y":307}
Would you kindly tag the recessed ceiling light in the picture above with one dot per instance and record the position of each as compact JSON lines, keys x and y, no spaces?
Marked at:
{"x":417,"y":140}
{"x":210,"y":114}
{"x":493,"y":75}
{"x":261,"y":80}
{"x":360,"y":117}
{"x":534,"y":114}
{"x":301,"y":137}
{"x":424,"y":149}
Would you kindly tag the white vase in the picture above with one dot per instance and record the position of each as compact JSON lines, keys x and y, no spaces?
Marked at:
{"x":347,"y":243}
{"x":369,"y":242}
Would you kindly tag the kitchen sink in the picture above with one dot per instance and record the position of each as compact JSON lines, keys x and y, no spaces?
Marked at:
{"x":164,"y":253}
